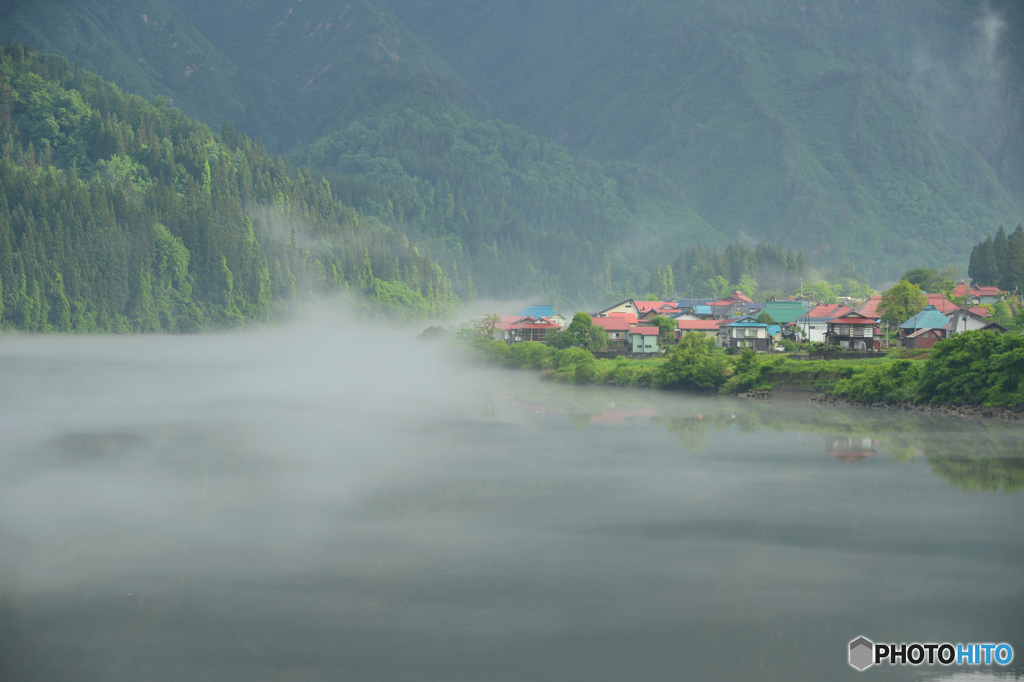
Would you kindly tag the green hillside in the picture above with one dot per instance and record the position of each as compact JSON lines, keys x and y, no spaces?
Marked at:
{"x":150,"y":48}
{"x":120,"y":215}
{"x":797,"y":122}
{"x":401,"y":135}
{"x":567,"y":148}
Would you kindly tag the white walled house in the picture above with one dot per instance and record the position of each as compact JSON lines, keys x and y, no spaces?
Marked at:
{"x":644,"y":339}
{"x":964,"y":320}
{"x":814,"y":324}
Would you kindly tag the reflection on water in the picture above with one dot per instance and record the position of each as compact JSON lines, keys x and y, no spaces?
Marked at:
{"x":269,"y":505}
{"x":851,"y":448}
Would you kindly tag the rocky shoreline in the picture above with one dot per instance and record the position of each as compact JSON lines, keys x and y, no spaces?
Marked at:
{"x":959,"y":411}
{"x":755,"y":395}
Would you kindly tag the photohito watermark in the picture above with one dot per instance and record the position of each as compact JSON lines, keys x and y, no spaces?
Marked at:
{"x":864,"y":653}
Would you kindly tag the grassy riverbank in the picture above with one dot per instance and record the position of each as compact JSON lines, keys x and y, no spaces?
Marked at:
{"x":982,"y":369}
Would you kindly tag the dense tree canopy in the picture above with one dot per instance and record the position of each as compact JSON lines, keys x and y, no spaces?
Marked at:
{"x":975,"y":368}
{"x":999,"y":261}
{"x":931,"y":280}
{"x":691,"y":364}
{"x":900,"y":303}
{"x":119,"y":215}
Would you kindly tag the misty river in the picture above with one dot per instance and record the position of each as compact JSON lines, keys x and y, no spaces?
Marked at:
{"x":322,"y":502}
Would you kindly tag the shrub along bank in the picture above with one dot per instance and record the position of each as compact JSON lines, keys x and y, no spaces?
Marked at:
{"x":971,"y":369}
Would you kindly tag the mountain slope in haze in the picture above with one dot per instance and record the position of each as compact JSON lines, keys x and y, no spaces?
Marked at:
{"x":151,"y":48}
{"x":388,"y":123}
{"x":827,"y":125}
{"x":392,"y":126}
{"x":331,"y":61}
{"x":887,"y":135}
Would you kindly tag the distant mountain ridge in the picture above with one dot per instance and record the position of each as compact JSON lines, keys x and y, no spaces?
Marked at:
{"x":888,"y":135}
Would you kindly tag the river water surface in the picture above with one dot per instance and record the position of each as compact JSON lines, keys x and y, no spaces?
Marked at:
{"x":311,"y":504}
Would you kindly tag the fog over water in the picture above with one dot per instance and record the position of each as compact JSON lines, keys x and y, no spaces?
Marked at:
{"x":334,"y":500}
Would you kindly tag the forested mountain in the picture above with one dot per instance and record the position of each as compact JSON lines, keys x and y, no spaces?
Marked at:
{"x":149,"y":48}
{"x":571,"y":147}
{"x":866,"y":130}
{"x":118,"y":215}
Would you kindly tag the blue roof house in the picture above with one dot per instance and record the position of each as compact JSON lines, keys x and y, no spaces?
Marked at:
{"x":538,"y":311}
{"x":929,"y":318}
{"x":747,"y":333}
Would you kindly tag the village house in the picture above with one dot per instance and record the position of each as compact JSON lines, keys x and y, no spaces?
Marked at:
{"x":707,"y":327}
{"x":975,"y":295}
{"x":966,"y":319}
{"x":734,"y":305}
{"x":732,"y":323}
{"x":519,"y":329}
{"x":995,"y":327}
{"x":928,"y":318}
{"x":815,"y":323}
{"x":854,"y":331}
{"x":545,"y":311}
{"x":940,"y":303}
{"x":644,"y":339}
{"x":617,"y":327}
{"x":784,"y":311}
{"x":869,"y":308}
{"x":627,"y":306}
{"x":922,"y":338}
{"x":646,"y":317}
{"x":640,"y":308}
{"x":639,"y":312}
{"x":722,"y":338}
{"x":649,"y":309}
{"x":700,"y":307}
{"x":628,"y":317}
{"x":748,"y":333}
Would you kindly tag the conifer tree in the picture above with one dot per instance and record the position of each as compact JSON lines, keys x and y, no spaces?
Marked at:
{"x":1012,"y":274}
{"x":1000,"y":244}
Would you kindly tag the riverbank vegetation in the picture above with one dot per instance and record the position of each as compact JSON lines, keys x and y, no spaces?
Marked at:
{"x":979,"y":368}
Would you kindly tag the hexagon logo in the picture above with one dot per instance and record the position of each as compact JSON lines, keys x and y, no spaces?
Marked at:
{"x":862,"y":652}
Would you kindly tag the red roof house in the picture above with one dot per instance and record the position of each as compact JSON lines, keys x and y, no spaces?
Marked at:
{"x":869,"y":308}
{"x":976,"y":294}
{"x":656,"y":306}
{"x":617,"y":326}
{"x":941,"y":303}
{"x":523,"y":328}
{"x":699,"y":325}
{"x":629,"y":317}
{"x":708,"y":327}
{"x":815,"y":323}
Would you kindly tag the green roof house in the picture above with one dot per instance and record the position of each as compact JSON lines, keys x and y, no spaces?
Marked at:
{"x":785,"y":312}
